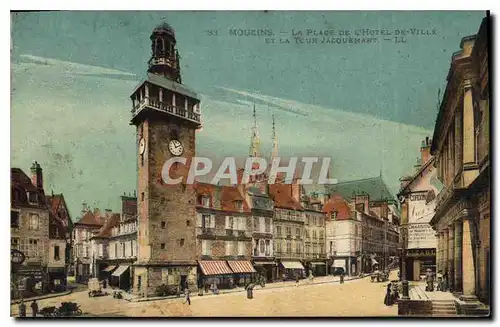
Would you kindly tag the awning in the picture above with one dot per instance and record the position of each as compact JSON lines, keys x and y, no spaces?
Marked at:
{"x":109,"y":268}
{"x":292,"y":265}
{"x":211,"y":267}
{"x":241,"y":267}
{"x":374,"y":262}
{"x":120,"y":270}
{"x":318,"y":263}
{"x":261,"y":263}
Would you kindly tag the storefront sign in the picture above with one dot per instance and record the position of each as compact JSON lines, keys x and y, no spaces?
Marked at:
{"x":27,"y":271}
{"x":16,"y":256}
{"x":421,"y":236}
{"x":339,"y":263}
{"x":421,"y":253}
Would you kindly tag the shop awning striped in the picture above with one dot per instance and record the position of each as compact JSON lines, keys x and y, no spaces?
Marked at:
{"x":241,"y":266}
{"x":214,"y":267}
{"x":109,"y":268}
{"x":121,"y":269}
{"x":292,"y":265}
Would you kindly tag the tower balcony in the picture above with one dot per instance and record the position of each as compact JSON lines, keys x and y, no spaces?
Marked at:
{"x":153,"y":104}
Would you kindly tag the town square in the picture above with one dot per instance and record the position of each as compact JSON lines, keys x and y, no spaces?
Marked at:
{"x":164,"y":165}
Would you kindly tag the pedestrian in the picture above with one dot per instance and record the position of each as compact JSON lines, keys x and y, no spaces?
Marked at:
{"x":297,"y":281}
{"x":439,"y":280}
{"x":34,"y":308}
{"x":445,"y":281}
{"x":22,"y":308}
{"x":388,"y":298}
{"x":206,"y":287}
{"x":188,"y":299}
{"x":342,"y":278}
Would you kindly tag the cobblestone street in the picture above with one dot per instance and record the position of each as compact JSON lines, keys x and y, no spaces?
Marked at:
{"x":355,"y":298}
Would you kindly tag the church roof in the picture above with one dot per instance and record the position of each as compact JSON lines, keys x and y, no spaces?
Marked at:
{"x":164,"y":27}
{"x":374,"y":187}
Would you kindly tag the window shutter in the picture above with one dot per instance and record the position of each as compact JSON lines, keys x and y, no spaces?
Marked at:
{"x":204,"y":247}
{"x":227,"y":222}
{"x":198,"y":220}
{"x":212,"y":221}
{"x":228,"y":247}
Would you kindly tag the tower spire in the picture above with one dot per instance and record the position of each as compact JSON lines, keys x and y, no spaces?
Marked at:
{"x":274,"y":154}
{"x":254,"y":140}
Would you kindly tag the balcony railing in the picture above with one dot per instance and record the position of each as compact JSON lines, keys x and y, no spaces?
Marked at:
{"x":287,"y":254}
{"x":162,"y":106}
{"x":205,"y":231}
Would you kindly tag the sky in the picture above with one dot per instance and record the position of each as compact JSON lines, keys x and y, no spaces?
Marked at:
{"x":368,"y":106}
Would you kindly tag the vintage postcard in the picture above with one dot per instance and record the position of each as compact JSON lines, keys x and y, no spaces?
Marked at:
{"x":250,"y":164}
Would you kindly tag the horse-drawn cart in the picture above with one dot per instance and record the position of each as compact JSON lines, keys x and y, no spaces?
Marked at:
{"x":378,"y":276}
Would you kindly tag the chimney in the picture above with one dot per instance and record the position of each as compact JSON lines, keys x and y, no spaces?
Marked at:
{"x":296,"y":190}
{"x":361,"y":202}
{"x":324,"y":199}
{"x":425,"y":150}
{"x":85,"y":208}
{"x":97,"y":213}
{"x":36,"y":175}
{"x":108,"y":213}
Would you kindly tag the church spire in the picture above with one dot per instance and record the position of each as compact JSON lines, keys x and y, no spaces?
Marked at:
{"x":274,"y":153}
{"x":255,"y":140}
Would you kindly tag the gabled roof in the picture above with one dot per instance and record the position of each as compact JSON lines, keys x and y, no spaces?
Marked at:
{"x":340,"y":205}
{"x":20,"y":185}
{"x":374,"y":187}
{"x":282,"y":197}
{"x":415,"y":176}
{"x":229,"y":196}
{"x":89,"y":219}
{"x":112,"y":221}
{"x":55,"y":202}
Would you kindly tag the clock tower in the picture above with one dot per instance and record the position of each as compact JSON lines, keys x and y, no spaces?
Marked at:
{"x":166,"y":115}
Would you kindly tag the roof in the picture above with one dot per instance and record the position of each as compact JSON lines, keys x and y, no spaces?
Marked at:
{"x":167,"y":84}
{"x":55,"y":202}
{"x":282,"y":196}
{"x":112,"y":221}
{"x":20,"y":185}
{"x":164,"y":27}
{"x":374,"y":187}
{"x":415,"y":176}
{"x":229,"y":196}
{"x":89,"y":219}
{"x":340,"y":205}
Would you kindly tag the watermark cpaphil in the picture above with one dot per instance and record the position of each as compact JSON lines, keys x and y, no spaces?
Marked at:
{"x":273,"y":172}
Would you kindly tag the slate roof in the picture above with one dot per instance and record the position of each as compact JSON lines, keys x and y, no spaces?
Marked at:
{"x":339,"y":204}
{"x":112,"y":221}
{"x":20,"y":185}
{"x":374,"y":187}
{"x":90,"y":220}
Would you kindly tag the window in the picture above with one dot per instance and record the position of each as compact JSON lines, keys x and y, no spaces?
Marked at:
{"x":268,"y":225}
{"x":56,"y":253}
{"x":334,"y":215}
{"x":321,"y":234}
{"x":207,"y":221}
{"x":289,"y":231}
{"x":33,"y":248}
{"x":123,"y":250}
{"x":297,"y":232}
{"x":14,"y":218}
{"x":32,"y":197}
{"x":101,"y":250}
{"x":181,"y":242}
{"x":331,"y":247}
{"x":162,"y":246}
{"x":230,"y":222}
{"x":205,"y":247}
{"x":315,"y":221}
{"x":34,"y":221}
{"x":116,"y":250}
{"x":142,"y":196}
{"x":188,"y":223}
{"x":205,"y":201}
{"x":288,"y":247}
{"x":238,"y":205}
{"x":229,"y":247}
{"x":268,"y":248}
{"x":163,"y":225}
{"x":278,"y":230}
{"x":14,"y":243}
{"x":241,"y":248}
{"x":314,"y":234}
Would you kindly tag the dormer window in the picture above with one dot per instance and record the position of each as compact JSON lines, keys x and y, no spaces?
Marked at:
{"x":205,"y":201}
{"x":32,"y":197}
{"x":334,"y":215}
{"x":238,"y":205}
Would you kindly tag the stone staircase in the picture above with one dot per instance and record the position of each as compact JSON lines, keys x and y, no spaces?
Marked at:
{"x":443,"y":308}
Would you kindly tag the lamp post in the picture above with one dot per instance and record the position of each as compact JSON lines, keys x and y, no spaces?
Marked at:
{"x":404,"y":282}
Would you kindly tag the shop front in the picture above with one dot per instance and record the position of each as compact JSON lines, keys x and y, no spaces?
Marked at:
{"x":215,"y":272}
{"x":120,"y":278}
{"x":243,"y":272}
{"x":318,"y":268}
{"x":291,"y":270}
{"x":266,"y":269}
{"x":418,"y":261}
{"x":57,"y":279}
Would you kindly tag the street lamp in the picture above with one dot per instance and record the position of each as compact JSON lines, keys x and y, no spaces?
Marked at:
{"x":404,"y":282}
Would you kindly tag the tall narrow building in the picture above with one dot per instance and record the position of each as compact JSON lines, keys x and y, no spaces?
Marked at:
{"x":166,"y":114}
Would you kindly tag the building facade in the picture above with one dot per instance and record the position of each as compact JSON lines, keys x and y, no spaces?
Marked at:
{"x":460,"y":146}
{"x":343,"y":236}
{"x":224,"y":236}
{"x":29,"y":230}
{"x":418,"y":195}
{"x":314,"y":238}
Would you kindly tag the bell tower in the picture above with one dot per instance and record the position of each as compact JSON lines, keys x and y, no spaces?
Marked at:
{"x":166,"y":115}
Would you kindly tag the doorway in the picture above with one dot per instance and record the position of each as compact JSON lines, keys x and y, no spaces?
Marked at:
{"x":183,"y":282}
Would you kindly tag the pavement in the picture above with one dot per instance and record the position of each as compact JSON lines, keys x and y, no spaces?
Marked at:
{"x":325,"y":297}
{"x":417,"y":292}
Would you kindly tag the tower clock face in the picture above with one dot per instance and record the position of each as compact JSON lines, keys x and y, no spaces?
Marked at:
{"x":175,"y":147}
{"x":142,"y":146}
